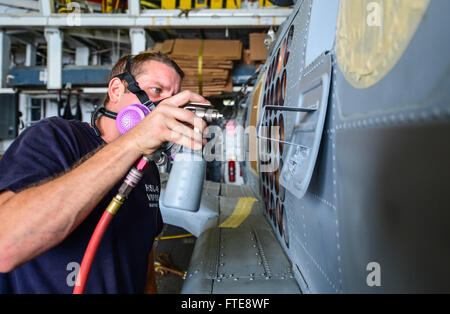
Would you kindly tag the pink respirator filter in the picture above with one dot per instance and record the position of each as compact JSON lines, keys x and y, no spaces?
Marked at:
{"x":129,"y":116}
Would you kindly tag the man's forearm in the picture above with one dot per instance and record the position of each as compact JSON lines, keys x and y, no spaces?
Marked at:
{"x":38,"y":218}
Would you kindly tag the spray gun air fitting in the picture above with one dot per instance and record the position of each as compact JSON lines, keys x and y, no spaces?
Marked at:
{"x":204,"y":111}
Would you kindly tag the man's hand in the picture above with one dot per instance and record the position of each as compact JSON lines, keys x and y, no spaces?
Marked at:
{"x":167,"y":123}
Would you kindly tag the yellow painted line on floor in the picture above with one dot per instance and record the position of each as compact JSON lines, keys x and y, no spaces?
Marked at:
{"x":240,"y":213}
{"x":176,"y":236}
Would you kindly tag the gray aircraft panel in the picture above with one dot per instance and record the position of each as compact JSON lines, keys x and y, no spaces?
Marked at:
{"x":331,"y":239}
{"x":246,"y":257}
{"x":400,"y":218}
{"x":389,"y":147}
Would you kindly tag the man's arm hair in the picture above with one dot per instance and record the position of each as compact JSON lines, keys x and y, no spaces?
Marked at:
{"x":41,"y":216}
{"x":55,"y":176}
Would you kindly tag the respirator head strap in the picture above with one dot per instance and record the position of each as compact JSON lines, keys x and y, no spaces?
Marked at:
{"x":133,"y":86}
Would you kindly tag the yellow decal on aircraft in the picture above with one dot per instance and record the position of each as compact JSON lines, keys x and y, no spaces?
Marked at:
{"x":371,"y":36}
{"x":241,"y":211}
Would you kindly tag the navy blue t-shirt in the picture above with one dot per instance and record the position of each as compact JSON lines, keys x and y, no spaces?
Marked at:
{"x":51,"y":147}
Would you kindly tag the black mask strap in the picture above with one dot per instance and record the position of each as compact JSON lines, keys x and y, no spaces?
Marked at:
{"x":133,"y":86}
{"x":101,"y":111}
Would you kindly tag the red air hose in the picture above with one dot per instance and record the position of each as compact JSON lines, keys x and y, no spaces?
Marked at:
{"x":131,"y":180}
{"x":91,"y":250}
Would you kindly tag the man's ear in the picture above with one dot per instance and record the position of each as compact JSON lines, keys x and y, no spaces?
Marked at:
{"x":115,"y":90}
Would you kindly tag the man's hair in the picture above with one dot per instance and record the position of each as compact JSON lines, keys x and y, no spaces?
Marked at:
{"x":136,"y":66}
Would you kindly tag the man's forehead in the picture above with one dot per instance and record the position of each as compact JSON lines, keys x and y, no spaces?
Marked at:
{"x":157,"y":72}
{"x":156,"y":68}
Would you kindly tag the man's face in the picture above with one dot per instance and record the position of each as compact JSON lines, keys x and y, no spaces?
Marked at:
{"x":157,"y":79}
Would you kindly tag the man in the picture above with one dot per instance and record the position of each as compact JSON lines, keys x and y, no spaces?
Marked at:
{"x":58,"y":177}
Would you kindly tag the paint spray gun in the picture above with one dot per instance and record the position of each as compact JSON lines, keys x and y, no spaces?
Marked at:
{"x":169,"y":150}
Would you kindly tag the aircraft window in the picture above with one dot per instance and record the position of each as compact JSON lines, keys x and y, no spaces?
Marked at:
{"x":274,"y":96}
{"x":273,"y":181}
{"x":269,"y":135}
{"x":275,"y":70}
{"x":280,"y":218}
{"x":270,"y":96}
{"x":276,"y":181}
{"x":275,"y":152}
{"x":281,"y":130}
{"x":271,"y":206}
{"x":286,"y":57}
{"x":253,"y":148}
{"x":288,"y":44}
{"x":264,"y":174}
{"x":283,"y":88}
{"x":285,"y":227}
{"x":263,"y":143}
{"x":274,"y":217}
{"x":278,"y":92}
{"x":282,"y":190}
{"x":271,"y":70}
{"x":280,"y":57}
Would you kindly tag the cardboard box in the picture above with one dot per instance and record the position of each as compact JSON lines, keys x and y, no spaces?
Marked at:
{"x":163,"y":47}
{"x":214,"y":49}
{"x":258,"y":50}
{"x":216,"y":63}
